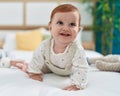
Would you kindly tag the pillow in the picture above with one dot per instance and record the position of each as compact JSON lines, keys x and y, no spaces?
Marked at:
{"x":10,"y":42}
{"x":28,"y":40}
{"x":10,"y":38}
{"x":18,"y":54}
{"x":92,"y":54}
{"x":46,"y":33}
{"x":78,"y":38}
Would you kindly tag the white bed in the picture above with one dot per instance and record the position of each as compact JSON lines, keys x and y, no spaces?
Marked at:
{"x":14,"y":82}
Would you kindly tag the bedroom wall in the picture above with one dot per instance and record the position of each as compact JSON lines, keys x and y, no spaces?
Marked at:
{"x":37,"y":14}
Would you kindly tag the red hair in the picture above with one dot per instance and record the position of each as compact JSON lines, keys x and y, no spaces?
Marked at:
{"x":65,"y":8}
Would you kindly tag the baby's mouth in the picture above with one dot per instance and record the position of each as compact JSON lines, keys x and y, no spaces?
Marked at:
{"x":65,"y":34}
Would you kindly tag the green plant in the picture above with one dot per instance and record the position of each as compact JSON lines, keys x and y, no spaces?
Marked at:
{"x":104,"y":23}
{"x":104,"y":12}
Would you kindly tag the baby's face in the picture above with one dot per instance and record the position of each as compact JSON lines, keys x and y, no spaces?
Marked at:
{"x":64,"y":27}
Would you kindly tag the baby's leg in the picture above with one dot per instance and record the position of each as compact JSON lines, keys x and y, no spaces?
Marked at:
{"x":108,"y":66}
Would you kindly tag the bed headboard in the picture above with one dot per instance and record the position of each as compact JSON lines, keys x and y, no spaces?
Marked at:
{"x":29,"y":15}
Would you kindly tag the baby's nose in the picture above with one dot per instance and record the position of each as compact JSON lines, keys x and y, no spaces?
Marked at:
{"x":65,"y":28}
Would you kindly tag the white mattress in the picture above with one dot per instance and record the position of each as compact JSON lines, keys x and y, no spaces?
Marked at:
{"x":14,"y":82}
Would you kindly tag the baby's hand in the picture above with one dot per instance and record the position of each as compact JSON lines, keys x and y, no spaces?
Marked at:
{"x":22,"y":66}
{"x":36,"y":76}
{"x":71,"y":88}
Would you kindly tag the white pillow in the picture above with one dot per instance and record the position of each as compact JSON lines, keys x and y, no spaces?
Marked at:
{"x":10,"y":39}
{"x":3,"y":53}
{"x":2,"y":35}
{"x":92,"y":54}
{"x":10,"y":42}
{"x":79,"y":36}
{"x":46,"y":33}
{"x":21,"y":55}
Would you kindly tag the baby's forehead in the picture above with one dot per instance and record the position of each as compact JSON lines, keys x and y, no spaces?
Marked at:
{"x":63,"y":15}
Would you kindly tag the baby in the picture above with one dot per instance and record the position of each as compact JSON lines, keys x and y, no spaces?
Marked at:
{"x":62,"y":54}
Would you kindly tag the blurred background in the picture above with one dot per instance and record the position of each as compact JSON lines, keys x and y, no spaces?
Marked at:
{"x":100,"y":20}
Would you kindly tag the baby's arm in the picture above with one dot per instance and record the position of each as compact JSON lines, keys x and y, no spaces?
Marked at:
{"x":23,"y":66}
{"x":79,"y":71}
{"x":36,"y":64}
{"x":34,"y":71}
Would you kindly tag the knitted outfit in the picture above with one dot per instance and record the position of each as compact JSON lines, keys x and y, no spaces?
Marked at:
{"x":71,"y":62}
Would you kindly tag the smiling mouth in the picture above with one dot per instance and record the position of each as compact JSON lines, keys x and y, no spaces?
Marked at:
{"x":65,"y":34}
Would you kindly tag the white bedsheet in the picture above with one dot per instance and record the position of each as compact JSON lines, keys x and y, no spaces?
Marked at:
{"x":14,"y":82}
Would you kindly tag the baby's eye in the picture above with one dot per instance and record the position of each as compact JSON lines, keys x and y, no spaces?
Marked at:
{"x":72,"y":24}
{"x":60,"y":22}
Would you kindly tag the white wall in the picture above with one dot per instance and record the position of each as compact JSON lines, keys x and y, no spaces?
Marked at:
{"x":38,"y":14}
{"x":11,"y":13}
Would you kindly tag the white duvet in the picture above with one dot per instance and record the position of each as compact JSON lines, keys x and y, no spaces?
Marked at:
{"x":14,"y":82}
